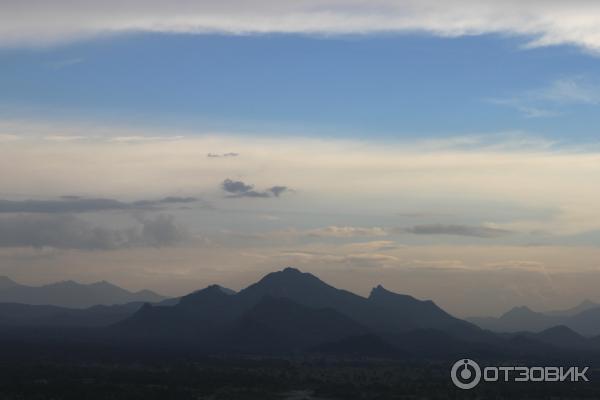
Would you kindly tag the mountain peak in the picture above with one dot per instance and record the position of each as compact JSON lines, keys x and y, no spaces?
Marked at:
{"x":519,"y":310}
{"x":5,"y":282}
{"x":379,"y":289}
{"x":289,"y":275}
{"x":587,"y":303}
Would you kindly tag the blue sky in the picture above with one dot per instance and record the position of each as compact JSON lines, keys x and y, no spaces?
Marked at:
{"x":386,"y":86}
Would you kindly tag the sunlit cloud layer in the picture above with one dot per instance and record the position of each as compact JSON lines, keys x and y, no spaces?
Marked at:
{"x":477,"y":175}
{"x":425,"y":217}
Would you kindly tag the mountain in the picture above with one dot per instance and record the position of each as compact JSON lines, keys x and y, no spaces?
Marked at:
{"x":286,"y":313}
{"x":279,"y":324}
{"x":288,"y":310}
{"x":382,"y":311}
{"x":517,"y":319}
{"x":71,"y":294}
{"x":561,"y":337}
{"x":13,"y":314}
{"x":585,"y":322}
{"x":419,"y":314}
{"x":583,"y":306}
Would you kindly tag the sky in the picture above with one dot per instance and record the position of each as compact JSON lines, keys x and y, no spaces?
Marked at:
{"x":447,"y":150}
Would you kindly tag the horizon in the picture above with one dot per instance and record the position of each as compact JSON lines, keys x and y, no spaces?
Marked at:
{"x":582,"y":302}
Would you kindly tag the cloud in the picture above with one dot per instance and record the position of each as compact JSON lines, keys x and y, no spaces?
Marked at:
{"x":57,"y":65}
{"x":9,"y":138}
{"x":76,"y":204}
{"x":549,"y":101}
{"x":64,"y":138}
{"x":458,"y":230}
{"x":238,"y":189}
{"x":222,"y":155}
{"x":71,"y":232}
{"x":161,"y":231}
{"x":141,"y":138}
{"x":347,"y":232}
{"x":541,"y":23}
{"x":523,"y":182}
{"x":354,"y":260}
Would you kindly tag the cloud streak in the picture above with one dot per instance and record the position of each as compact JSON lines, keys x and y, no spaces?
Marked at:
{"x":458,"y":230}
{"x":542,"y":23}
{"x":72,"y":232}
{"x":75,"y":204}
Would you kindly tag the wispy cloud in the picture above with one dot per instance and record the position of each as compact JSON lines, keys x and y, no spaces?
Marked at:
{"x":222,"y":155}
{"x":551,"y":101}
{"x":347,"y":232}
{"x":542,"y":23}
{"x":140,"y":138}
{"x":76,"y":204}
{"x":64,"y":138}
{"x":61,"y":64}
{"x":458,"y":230}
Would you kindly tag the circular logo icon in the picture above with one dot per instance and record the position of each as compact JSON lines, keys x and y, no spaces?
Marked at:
{"x":465,"y":374}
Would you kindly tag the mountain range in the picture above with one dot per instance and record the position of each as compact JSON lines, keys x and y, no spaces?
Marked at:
{"x":583,"y":319}
{"x":72,"y":294}
{"x":289,"y":312}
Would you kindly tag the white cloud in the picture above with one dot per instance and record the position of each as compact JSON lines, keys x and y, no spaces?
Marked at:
{"x":347,"y":232}
{"x":542,"y":22}
{"x":64,"y":138}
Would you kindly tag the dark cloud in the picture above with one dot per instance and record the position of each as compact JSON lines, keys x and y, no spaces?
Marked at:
{"x":277,"y":190}
{"x":76,"y":204}
{"x":221,"y":155}
{"x":162,"y":231}
{"x":458,"y":230}
{"x":72,"y":232}
{"x":236,"y":187}
{"x":241,"y":189}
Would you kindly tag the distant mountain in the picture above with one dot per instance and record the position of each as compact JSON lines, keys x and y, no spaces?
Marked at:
{"x":71,"y":294}
{"x":517,"y":319}
{"x":561,"y":337}
{"x":583,"y":306}
{"x":13,"y":314}
{"x":581,"y":319}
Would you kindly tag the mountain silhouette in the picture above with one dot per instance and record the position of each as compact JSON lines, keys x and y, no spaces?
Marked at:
{"x":585,"y":305}
{"x":71,"y":294}
{"x":14,"y":314}
{"x":289,"y":310}
{"x":285,"y":313}
{"x":559,"y":337}
{"x":583,"y":319}
{"x":279,"y":324}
